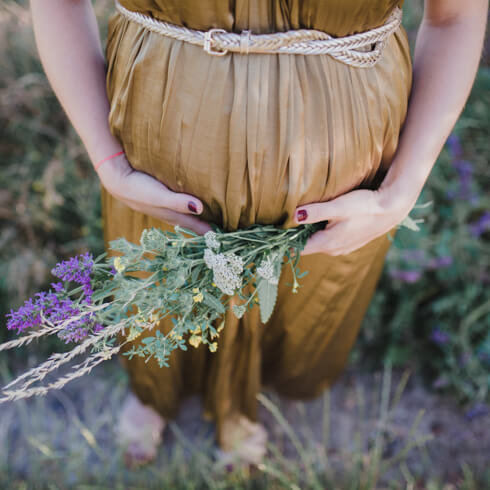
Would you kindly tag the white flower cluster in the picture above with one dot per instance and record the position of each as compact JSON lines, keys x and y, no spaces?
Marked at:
{"x":227,"y":269}
{"x":266,"y":269}
{"x":211,"y":240}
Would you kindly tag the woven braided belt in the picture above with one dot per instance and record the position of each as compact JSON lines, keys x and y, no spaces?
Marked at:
{"x":355,"y":50}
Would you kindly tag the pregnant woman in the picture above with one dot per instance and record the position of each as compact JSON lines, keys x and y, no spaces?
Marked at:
{"x":242,"y":137}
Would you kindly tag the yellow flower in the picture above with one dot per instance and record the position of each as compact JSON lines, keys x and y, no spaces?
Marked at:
{"x":213,"y":335}
{"x":164,"y":268}
{"x":118,"y":265}
{"x":213,"y":347}
{"x":198,"y":298}
{"x":196,"y":330}
{"x":195,"y":340}
{"x":133,"y":333}
{"x":107,"y":355}
{"x":174,"y":335}
{"x":195,"y":290}
{"x":221,"y":326}
{"x":213,"y":284}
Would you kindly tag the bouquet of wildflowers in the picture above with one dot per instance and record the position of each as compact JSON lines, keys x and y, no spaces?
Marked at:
{"x":191,"y":279}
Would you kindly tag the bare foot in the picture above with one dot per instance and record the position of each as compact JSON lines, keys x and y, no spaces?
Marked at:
{"x":138,"y":431}
{"x":244,"y":443}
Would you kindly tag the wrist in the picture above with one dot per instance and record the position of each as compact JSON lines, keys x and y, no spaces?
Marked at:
{"x":114,"y":168}
{"x":110,"y":157}
{"x":103,"y":148}
{"x":398,"y":199}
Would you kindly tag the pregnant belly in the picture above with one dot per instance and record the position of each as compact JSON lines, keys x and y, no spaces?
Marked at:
{"x":254,"y":136}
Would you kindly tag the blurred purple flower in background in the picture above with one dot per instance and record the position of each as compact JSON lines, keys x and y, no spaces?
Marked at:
{"x":415,"y":255}
{"x":418,"y":260}
{"x":440,"y":262}
{"x":409,"y":276}
{"x":454,"y":145}
{"x":438,"y":336}
{"x":477,"y":410}
{"x":478,"y":227}
{"x":464,"y":169}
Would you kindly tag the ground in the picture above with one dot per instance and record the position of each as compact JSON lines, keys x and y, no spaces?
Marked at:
{"x":67,"y":436}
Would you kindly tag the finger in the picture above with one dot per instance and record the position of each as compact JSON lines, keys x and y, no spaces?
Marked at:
{"x":143,"y":188}
{"x":321,"y":211}
{"x":173,"y":217}
{"x":349,"y":204}
{"x":198,"y":226}
{"x":323,"y":241}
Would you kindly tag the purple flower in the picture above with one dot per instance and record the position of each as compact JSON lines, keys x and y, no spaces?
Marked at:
{"x":478,"y":227}
{"x":57,"y":286}
{"x":56,"y":307}
{"x":77,"y":269}
{"x":464,"y":169}
{"x":415,"y":255}
{"x":438,"y":336}
{"x":454,"y":146}
{"x":440,"y":382}
{"x":477,"y":410}
{"x":26,"y":316}
{"x":439,"y":262}
{"x":409,"y":276}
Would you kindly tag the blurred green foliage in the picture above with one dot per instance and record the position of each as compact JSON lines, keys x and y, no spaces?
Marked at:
{"x":432,"y":306}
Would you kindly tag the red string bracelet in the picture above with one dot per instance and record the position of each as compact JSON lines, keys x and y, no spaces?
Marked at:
{"x":97,"y":165}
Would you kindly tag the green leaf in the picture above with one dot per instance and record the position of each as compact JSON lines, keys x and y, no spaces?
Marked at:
{"x":267,"y":294}
{"x":195,"y":274}
{"x":428,"y":203}
{"x":410,"y":223}
{"x":302,"y":274}
{"x":104,"y":293}
{"x":213,"y":302}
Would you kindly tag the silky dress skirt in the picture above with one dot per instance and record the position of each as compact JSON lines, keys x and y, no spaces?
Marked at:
{"x":254,"y":136}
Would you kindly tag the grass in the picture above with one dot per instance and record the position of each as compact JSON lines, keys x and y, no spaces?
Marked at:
{"x":66,"y":440}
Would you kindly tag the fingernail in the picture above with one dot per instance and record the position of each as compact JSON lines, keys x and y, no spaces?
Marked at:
{"x":301,"y":215}
{"x":192,"y":207}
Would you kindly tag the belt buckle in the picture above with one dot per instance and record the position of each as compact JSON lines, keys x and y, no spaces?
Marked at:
{"x":208,"y":39}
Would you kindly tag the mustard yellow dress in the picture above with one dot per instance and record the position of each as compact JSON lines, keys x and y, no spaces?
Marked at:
{"x":254,"y":136}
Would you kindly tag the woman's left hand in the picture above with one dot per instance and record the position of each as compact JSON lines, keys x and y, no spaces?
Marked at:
{"x":354,"y":219}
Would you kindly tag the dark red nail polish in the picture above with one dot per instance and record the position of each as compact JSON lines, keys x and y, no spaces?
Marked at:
{"x":192,"y":207}
{"x":302,"y":214}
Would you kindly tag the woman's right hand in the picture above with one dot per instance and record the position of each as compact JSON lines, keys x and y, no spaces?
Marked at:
{"x":148,"y":195}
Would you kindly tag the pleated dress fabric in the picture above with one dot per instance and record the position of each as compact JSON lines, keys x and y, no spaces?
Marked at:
{"x":254,"y":136}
